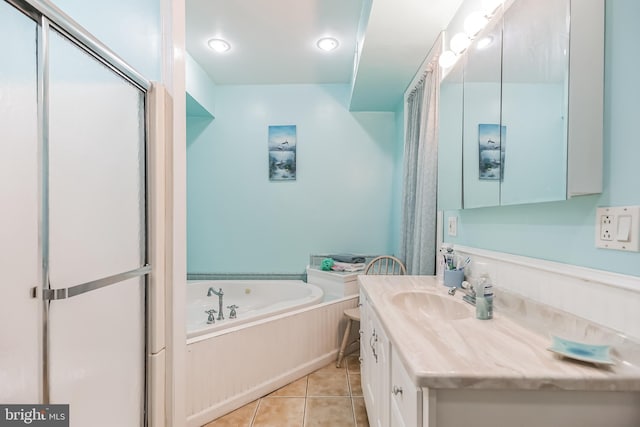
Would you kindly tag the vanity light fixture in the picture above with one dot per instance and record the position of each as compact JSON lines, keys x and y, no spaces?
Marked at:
{"x":219,"y":45}
{"x":490,"y":6}
{"x":474,"y":23}
{"x":327,"y":44}
{"x":447,"y":59}
{"x":459,"y":43}
{"x":484,"y":42}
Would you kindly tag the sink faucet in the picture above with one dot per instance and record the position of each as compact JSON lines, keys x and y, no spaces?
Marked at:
{"x":219,"y":294}
{"x":469,"y":293}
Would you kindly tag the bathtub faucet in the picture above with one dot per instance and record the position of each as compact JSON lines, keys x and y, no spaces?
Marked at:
{"x":219,"y":294}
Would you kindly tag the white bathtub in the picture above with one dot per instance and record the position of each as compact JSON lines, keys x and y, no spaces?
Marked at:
{"x":256,"y":299}
{"x":270,"y":344}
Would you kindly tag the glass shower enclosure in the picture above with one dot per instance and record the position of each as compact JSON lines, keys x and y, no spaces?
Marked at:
{"x":73,"y":220}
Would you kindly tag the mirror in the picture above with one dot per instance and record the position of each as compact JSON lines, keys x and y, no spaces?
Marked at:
{"x":482,"y":134}
{"x":450,"y":140}
{"x":535,"y":64}
{"x":520,"y":142}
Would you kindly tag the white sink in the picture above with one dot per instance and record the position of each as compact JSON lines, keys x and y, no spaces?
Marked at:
{"x":428,"y":306}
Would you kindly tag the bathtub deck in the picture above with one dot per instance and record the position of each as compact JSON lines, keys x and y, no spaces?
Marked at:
{"x":329,"y":396}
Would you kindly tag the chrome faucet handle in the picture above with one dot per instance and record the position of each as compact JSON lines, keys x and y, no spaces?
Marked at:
{"x":468,"y":287}
{"x":469,"y":293}
{"x":211,"y":319}
{"x":232,"y":311}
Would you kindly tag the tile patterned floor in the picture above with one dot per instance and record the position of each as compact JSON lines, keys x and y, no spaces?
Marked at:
{"x":330,"y":397}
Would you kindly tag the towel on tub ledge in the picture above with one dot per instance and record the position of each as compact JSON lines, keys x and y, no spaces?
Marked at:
{"x":348,"y":258}
{"x":348,"y":267}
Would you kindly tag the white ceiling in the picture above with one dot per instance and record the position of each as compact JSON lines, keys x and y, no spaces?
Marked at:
{"x":273,"y":42}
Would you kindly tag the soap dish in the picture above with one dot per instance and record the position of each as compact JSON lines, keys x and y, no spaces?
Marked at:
{"x":594,"y":353}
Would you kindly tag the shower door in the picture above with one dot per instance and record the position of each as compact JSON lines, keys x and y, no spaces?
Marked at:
{"x":20,"y":259}
{"x":73,"y":223}
{"x":96,"y":227}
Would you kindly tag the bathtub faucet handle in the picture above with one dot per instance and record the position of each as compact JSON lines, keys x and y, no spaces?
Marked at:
{"x":232,"y":311}
{"x":211,"y":319}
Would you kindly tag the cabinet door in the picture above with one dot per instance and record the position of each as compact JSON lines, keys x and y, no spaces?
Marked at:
{"x":406,"y":398}
{"x":482,"y":132}
{"x":383,"y":350}
{"x":535,"y":86}
{"x":374,"y":350}
{"x":366,"y":353}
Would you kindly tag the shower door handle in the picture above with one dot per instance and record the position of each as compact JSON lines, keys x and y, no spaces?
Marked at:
{"x":63,"y":293}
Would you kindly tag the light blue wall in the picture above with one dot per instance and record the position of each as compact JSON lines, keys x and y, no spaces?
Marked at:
{"x":131,"y":28}
{"x":199,"y":87}
{"x":240,"y":222}
{"x":565,"y":231}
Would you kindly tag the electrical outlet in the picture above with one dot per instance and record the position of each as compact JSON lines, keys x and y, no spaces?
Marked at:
{"x":452,"y":229}
{"x":605,"y":227}
{"x":618,"y":228}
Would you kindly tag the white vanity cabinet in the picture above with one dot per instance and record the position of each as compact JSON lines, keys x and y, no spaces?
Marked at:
{"x":375,"y":369}
{"x":492,"y":373}
{"x":390,"y":396}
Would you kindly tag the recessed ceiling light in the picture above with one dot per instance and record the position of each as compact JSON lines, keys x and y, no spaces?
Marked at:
{"x":327,"y":44}
{"x":219,"y":45}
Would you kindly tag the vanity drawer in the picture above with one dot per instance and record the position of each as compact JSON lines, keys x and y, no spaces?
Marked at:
{"x":406,"y":398}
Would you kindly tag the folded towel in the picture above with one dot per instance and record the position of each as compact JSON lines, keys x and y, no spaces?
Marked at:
{"x":326,"y":264}
{"x":348,"y":267}
{"x":349,"y":258}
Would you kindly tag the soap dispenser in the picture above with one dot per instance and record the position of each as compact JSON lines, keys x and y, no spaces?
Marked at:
{"x":484,"y":298}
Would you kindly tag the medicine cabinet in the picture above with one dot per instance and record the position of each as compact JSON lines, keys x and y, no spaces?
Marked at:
{"x":521,"y":111}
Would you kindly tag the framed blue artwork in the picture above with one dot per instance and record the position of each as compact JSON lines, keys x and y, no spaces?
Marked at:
{"x":282,"y":153}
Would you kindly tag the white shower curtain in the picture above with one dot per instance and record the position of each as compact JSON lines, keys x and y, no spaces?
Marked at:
{"x":418,"y":238}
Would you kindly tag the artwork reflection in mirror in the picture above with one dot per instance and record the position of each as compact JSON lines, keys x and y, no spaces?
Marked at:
{"x":491,"y":148}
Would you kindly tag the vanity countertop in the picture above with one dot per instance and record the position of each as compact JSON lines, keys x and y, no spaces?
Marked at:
{"x":483,"y":354}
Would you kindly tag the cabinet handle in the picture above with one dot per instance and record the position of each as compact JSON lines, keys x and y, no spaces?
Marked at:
{"x":396,"y":390}
{"x":372,"y":344}
{"x":360,"y":331}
